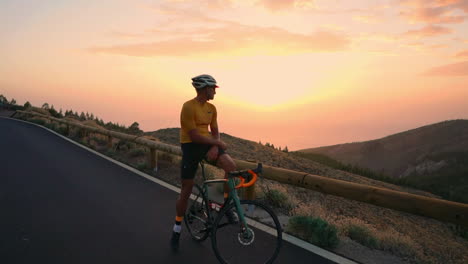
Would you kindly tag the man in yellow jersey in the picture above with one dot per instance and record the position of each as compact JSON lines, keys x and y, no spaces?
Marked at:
{"x":198,"y":143}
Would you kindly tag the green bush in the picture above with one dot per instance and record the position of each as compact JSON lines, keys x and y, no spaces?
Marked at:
{"x":277,"y":199}
{"x":136,"y":152}
{"x":100,"y":141}
{"x":362,"y":235}
{"x":142,"y":166}
{"x":109,"y":153}
{"x":314,"y":230}
{"x":63,"y":130}
{"x":38,"y":121}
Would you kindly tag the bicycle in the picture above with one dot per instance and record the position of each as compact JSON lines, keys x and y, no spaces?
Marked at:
{"x":242,"y":240}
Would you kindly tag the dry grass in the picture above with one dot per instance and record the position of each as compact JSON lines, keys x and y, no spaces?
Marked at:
{"x":412,"y":238}
{"x":39,"y":110}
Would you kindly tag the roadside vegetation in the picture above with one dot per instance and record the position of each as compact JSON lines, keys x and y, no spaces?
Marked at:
{"x":323,"y":220}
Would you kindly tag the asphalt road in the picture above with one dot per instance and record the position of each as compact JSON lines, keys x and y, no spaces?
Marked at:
{"x":60,"y":203}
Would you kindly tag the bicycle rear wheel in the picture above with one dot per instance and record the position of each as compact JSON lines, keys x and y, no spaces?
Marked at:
{"x":259,"y":243}
{"x":196,"y":218}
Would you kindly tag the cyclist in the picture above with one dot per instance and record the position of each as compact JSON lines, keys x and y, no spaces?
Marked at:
{"x":198,"y":143}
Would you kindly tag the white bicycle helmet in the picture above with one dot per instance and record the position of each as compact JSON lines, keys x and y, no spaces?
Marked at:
{"x":202,"y":81}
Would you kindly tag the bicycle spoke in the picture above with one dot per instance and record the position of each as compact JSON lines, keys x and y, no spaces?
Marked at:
{"x":234,"y":243}
{"x":196,"y":218}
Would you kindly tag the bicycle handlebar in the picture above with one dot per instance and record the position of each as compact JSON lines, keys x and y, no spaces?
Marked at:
{"x":251,"y":175}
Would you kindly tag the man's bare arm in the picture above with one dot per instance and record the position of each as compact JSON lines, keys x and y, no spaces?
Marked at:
{"x":214,"y":132}
{"x":197,"y":138}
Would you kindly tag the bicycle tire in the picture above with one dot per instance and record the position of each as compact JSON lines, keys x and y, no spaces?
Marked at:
{"x":196,"y":217}
{"x":267,"y":245}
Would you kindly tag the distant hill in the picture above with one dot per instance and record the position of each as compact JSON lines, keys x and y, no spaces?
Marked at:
{"x":243,"y":149}
{"x":433,"y":157}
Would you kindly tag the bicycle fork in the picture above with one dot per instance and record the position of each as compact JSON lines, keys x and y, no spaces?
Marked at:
{"x":245,"y":231}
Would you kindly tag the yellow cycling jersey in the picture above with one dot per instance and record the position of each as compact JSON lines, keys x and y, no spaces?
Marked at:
{"x":195,"y":115}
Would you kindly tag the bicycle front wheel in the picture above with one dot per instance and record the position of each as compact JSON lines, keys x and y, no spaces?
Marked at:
{"x":196,"y":218}
{"x":259,"y":242}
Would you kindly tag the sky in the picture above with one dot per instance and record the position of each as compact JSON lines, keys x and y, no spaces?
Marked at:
{"x":295,"y":73}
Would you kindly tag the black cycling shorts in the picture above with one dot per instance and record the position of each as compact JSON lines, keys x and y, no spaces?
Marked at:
{"x":192,"y":154}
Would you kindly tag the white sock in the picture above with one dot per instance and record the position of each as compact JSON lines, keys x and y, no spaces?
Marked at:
{"x":177,"y":228}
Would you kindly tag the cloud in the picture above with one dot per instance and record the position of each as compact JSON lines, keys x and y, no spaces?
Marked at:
{"x":200,"y":4}
{"x":279,"y":5}
{"x":428,"y":31}
{"x":367,"y":19}
{"x":233,"y":38}
{"x":424,"y":47}
{"x":455,"y":69}
{"x":434,"y":11}
{"x":436,"y":15}
{"x":437,"y":46}
{"x":124,"y":35}
{"x":462,"y":54}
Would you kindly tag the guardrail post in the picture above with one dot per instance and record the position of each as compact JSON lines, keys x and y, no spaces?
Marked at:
{"x":250,"y":192}
{"x":153,"y":159}
{"x":109,"y":141}
{"x":67,"y":132}
{"x":81,"y":133}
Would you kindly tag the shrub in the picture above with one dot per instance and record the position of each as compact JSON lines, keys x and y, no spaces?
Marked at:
{"x":362,"y":235}
{"x":110,"y":152}
{"x":315,"y":230}
{"x":277,"y":199}
{"x":142,"y":166}
{"x":41,"y":122}
{"x":400,"y":245}
{"x":83,"y":141}
{"x":136,"y":152}
{"x":100,"y":140}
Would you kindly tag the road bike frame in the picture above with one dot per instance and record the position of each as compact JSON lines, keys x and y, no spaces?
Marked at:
{"x":232,"y":196}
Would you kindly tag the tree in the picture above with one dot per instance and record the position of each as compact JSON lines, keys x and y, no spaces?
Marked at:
{"x":13,"y":102}
{"x":286,"y":149}
{"x":27,"y":105}
{"x":135,"y":129}
{"x":3,"y":99}
{"x":53,"y":112}
{"x":82,"y":116}
{"x":45,"y":106}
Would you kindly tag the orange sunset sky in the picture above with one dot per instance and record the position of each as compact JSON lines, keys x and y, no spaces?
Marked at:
{"x":301,"y":74}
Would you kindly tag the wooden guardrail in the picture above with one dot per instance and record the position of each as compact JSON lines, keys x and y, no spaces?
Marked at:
{"x":443,"y":210}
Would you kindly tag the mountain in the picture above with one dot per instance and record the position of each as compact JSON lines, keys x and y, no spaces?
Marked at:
{"x":432,"y":157}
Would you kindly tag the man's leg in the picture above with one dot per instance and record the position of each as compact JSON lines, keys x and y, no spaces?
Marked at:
{"x":181,"y":206}
{"x":226,"y":163}
{"x":186,"y":190}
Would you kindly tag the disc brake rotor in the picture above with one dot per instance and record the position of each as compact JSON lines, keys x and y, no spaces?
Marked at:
{"x":246,"y":237}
